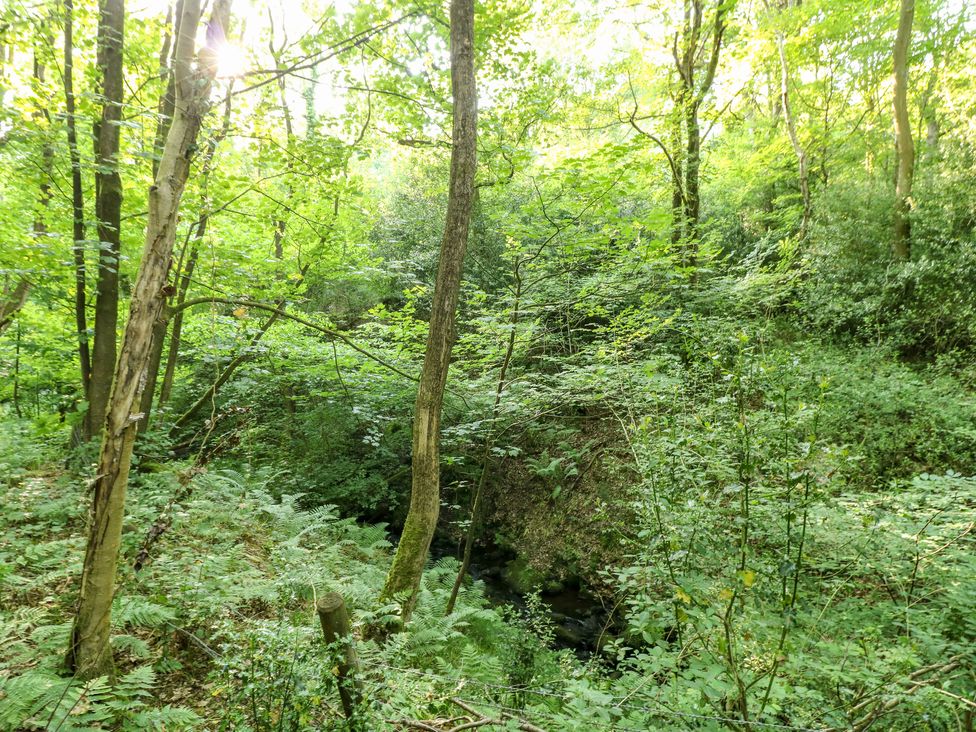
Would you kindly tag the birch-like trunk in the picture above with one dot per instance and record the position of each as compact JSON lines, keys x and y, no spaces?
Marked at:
{"x":801,"y":155}
{"x":89,"y":652}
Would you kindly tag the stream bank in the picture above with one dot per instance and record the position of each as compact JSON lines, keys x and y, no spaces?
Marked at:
{"x":580,"y":621}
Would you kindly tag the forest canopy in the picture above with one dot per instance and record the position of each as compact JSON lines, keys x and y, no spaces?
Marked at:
{"x":509,"y":364}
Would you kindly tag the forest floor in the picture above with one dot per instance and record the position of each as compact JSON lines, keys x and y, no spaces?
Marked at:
{"x":217,"y":630}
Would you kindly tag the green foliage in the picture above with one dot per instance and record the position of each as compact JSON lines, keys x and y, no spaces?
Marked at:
{"x":754,"y":446}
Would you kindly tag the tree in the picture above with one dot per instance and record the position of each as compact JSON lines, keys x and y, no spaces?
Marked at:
{"x":89,"y":652}
{"x":798,"y":150}
{"x":904,"y":144}
{"x":403,"y":580}
{"x":77,"y":204}
{"x":108,"y":208}
{"x":689,"y":61}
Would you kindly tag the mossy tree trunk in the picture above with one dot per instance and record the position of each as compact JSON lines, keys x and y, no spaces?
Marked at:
{"x":89,"y":652}
{"x":404,"y":578}
{"x":688,"y":62}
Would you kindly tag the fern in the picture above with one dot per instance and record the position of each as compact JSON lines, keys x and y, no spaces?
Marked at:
{"x":135,"y":647}
{"x":42,"y":700}
{"x":135,"y":611}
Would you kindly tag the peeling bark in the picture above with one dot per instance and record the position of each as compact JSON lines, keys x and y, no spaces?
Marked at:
{"x":89,"y":653}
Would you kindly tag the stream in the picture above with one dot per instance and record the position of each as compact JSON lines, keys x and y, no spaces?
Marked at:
{"x":578,"y":619}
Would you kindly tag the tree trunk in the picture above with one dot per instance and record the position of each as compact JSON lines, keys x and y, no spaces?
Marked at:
{"x":163,"y":120}
{"x":692,"y":170}
{"x":677,"y":186}
{"x":108,"y":209}
{"x":89,"y":652}
{"x":403,"y":581}
{"x":152,"y":370}
{"x":186,"y":276}
{"x":77,"y":203}
{"x":905,"y":146}
{"x":801,"y":155}
{"x":168,"y":99}
{"x":12,"y":301}
{"x":692,"y":95}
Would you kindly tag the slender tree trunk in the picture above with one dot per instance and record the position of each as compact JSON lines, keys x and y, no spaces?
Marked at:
{"x":168,"y":99}
{"x":77,"y":203}
{"x":692,"y":95}
{"x":677,"y":185}
{"x":905,"y":146}
{"x":89,"y":652}
{"x":489,"y":443}
{"x":403,"y":581}
{"x":17,"y":374}
{"x":186,"y":275}
{"x":108,"y":209}
{"x":163,"y":120}
{"x":692,"y":172}
{"x":176,"y":336}
{"x":801,"y":155}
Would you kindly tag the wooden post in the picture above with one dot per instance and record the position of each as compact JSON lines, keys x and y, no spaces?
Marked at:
{"x":337,"y":627}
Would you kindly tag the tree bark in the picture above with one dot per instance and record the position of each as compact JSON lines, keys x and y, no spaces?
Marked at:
{"x":186,"y":275}
{"x":403,"y":581}
{"x":77,"y":203}
{"x":692,"y":176}
{"x":168,"y":99}
{"x":677,"y":187}
{"x":89,"y":652}
{"x":801,"y":155}
{"x":163,"y":120}
{"x":692,"y":95}
{"x":108,"y":209}
{"x":901,"y":239}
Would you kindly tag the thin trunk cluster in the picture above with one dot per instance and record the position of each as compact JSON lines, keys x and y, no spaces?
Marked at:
{"x":77,"y":204}
{"x":89,"y":652}
{"x":803,"y":172}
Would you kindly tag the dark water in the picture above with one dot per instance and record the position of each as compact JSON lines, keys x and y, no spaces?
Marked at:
{"x":579,"y":621}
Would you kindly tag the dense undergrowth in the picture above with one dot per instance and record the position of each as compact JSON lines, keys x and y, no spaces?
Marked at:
{"x":698,"y":382}
{"x":764,"y":551}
